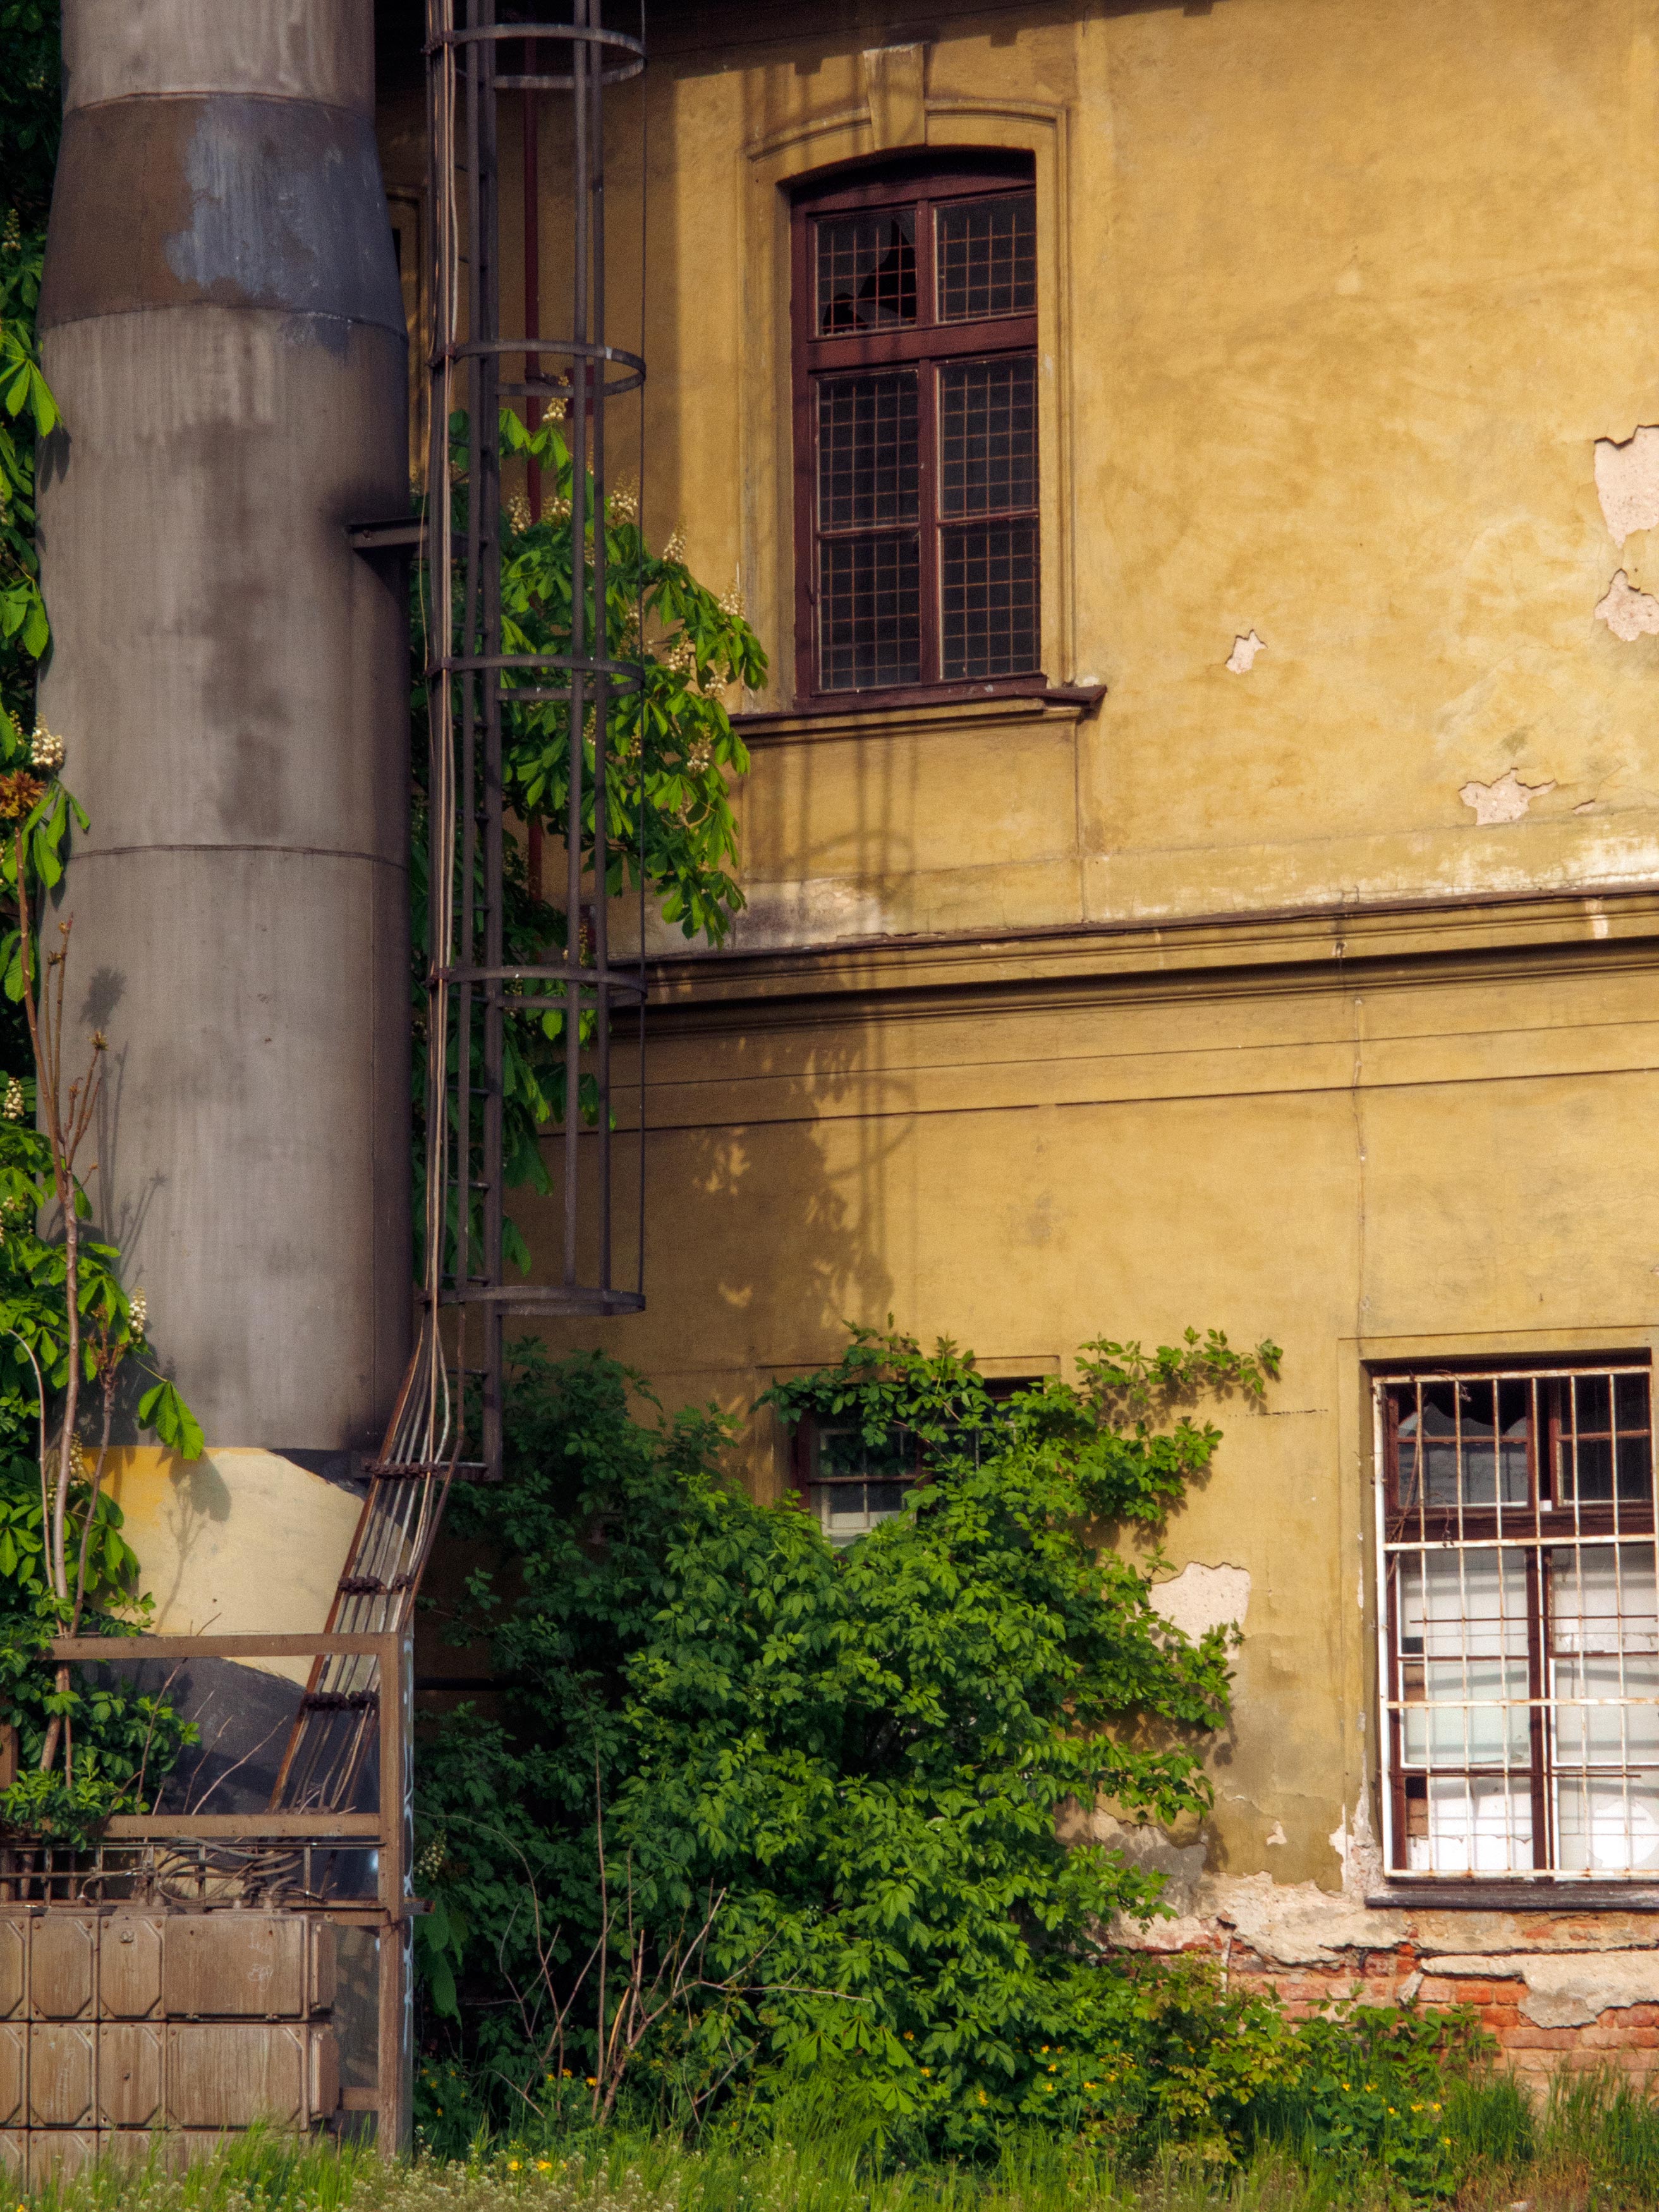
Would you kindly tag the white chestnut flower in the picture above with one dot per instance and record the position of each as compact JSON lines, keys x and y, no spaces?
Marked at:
{"x":46,"y":751}
{"x":13,"y":1107}
{"x":137,"y":1313}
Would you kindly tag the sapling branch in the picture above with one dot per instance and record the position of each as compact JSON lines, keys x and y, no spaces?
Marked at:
{"x":66,"y":1121}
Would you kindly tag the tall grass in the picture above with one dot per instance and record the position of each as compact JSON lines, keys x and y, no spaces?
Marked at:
{"x":1591,"y":2145}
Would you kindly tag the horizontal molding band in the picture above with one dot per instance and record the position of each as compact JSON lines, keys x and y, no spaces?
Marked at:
{"x":1330,"y":937}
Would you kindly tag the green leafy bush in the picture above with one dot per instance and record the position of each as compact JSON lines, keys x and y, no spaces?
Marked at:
{"x":756,"y":1814}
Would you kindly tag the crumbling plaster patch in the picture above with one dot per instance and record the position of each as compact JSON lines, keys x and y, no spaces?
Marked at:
{"x":1627,"y":612}
{"x":1627,"y":481}
{"x":1565,"y":1989}
{"x":1200,"y":1598}
{"x":1505,"y":800}
{"x":1242,"y":659}
{"x":1286,"y":1924}
{"x":1575,"y":1966}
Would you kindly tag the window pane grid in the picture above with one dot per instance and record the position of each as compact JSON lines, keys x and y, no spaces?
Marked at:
{"x":854,"y":1484}
{"x":921,"y":489}
{"x":1521,"y":1621}
{"x":989,"y":600}
{"x":869,"y":467}
{"x":986,"y":263}
{"x":869,"y":597}
{"x":987,"y":436}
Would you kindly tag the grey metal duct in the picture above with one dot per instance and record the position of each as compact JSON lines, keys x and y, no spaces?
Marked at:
{"x":223,"y":328}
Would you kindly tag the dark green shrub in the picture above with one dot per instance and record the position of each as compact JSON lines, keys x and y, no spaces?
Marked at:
{"x":827,"y":1784}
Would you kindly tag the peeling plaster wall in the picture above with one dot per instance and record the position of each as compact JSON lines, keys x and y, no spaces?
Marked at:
{"x":1307,"y":986}
{"x":1200,"y":1598}
{"x":1363,"y":372}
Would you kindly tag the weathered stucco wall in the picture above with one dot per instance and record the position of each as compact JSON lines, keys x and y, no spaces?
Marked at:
{"x":1337,"y":303}
{"x":1305,"y":988}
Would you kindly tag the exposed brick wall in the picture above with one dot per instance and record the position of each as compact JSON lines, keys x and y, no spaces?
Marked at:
{"x":1625,"y":2036}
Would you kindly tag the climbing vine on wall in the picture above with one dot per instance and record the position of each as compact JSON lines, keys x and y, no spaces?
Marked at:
{"x":671,"y":755}
{"x":71,"y":1337}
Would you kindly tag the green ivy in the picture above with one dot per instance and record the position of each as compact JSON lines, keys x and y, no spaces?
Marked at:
{"x":671,"y":753}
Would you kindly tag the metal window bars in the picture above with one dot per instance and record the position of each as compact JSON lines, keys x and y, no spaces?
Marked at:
{"x":475,"y":992}
{"x":1519,"y":1624}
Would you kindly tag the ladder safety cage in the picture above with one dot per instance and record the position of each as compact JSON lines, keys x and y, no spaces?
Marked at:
{"x":474,"y":992}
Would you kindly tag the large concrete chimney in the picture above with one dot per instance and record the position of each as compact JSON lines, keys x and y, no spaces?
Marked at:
{"x":223,"y":328}
{"x":224,"y":331}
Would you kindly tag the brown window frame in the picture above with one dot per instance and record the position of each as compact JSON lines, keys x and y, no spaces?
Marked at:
{"x":1548,"y":1526}
{"x":922,"y":184}
{"x":811,"y":1488}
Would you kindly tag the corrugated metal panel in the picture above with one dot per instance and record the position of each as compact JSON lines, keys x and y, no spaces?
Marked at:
{"x":231,"y":1964}
{"x":14,"y":1937}
{"x":128,"y":2076}
{"x":60,"y":2075}
{"x":14,"y":2046}
{"x":57,"y":2156}
{"x":324,"y":2083}
{"x":129,"y":1967}
{"x":62,"y":1953}
{"x":231,"y":2074}
{"x":90,"y":2057}
{"x":324,"y":1953}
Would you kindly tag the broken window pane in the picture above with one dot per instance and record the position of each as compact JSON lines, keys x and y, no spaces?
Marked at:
{"x":866,"y":271}
{"x":1480,"y":1826}
{"x":1607,"y":1823}
{"x":1467,"y":1444}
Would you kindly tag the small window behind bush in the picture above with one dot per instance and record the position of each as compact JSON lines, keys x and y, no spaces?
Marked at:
{"x":851,"y":1484}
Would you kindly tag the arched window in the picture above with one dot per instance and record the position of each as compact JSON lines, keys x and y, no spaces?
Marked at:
{"x":916,"y":426}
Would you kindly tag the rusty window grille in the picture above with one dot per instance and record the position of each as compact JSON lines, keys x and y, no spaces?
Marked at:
{"x":916,"y":431}
{"x":1520,"y":1624}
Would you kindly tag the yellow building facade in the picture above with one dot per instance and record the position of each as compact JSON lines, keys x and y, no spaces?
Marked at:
{"x":1280,"y":952}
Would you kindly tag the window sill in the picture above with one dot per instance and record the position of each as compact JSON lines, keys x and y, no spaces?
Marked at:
{"x":920,"y":707}
{"x":1546,"y":1894}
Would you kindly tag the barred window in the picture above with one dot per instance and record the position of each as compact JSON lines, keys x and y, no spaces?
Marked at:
{"x":1520,"y":1604}
{"x":916,"y":430}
